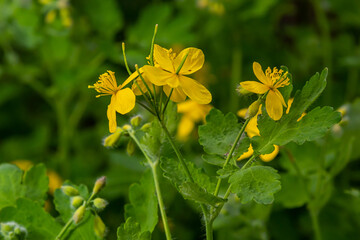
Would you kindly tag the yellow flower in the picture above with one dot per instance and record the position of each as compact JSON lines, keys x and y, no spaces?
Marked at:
{"x":252,"y":130}
{"x":270,"y":82}
{"x":192,"y":113}
{"x":166,"y":73}
{"x":122,"y":99}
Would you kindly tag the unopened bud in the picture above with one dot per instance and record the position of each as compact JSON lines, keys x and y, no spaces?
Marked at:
{"x":5,"y":228}
{"x":130,"y":148}
{"x":127,"y":127}
{"x":135,"y":121}
{"x":77,"y":201}
{"x":112,"y":139}
{"x":99,"y":184}
{"x":100,"y":203}
{"x":70,"y":191}
{"x":253,"y":109}
{"x":79,"y":214}
{"x":145,"y":127}
{"x":242,"y":91}
{"x":99,"y":227}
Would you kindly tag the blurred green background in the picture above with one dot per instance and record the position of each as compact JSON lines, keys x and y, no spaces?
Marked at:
{"x":51,"y":50}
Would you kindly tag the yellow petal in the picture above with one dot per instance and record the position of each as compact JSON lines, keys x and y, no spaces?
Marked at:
{"x":194,"y":61}
{"x":131,"y":77}
{"x":186,"y":106}
{"x":274,"y":107}
{"x":162,"y":57}
{"x":281,"y":98}
{"x":111,"y":115}
{"x":135,"y":88}
{"x":186,"y":126}
{"x":158,"y":76}
{"x":252,"y":129}
{"x":289,"y":103}
{"x":123,"y":101}
{"x":259,"y":73}
{"x":177,"y":95}
{"x":247,"y":154}
{"x":195,"y":90}
{"x":254,"y":87}
{"x":270,"y":156}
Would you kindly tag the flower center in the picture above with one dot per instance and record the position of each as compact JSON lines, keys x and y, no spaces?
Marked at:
{"x":106,"y":84}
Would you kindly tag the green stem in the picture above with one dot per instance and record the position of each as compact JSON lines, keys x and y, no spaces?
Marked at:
{"x":152,"y":46}
{"x":153,"y":166}
{"x":230,"y":154}
{"x":209,"y":230}
{"x":167,"y":101}
{"x":63,"y":230}
{"x":315,"y":223}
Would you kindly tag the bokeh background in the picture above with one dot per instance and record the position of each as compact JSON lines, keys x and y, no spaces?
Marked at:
{"x":51,"y":50}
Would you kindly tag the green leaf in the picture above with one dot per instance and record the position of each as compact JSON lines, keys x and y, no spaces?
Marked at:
{"x":173,"y":171}
{"x":219,"y":132}
{"x":293,"y":191}
{"x":227,"y":171}
{"x":258,"y":183}
{"x":130,"y":230}
{"x":15,"y":184}
{"x":312,"y":126}
{"x":38,"y":223}
{"x":143,"y":203}
{"x":213,"y":160}
{"x":192,"y":191}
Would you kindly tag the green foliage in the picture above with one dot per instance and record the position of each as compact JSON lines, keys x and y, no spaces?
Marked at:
{"x":293,"y":191}
{"x":14,"y":184}
{"x":312,"y":126}
{"x":143,"y":206}
{"x":175,"y":173}
{"x":38,"y":223}
{"x":218,"y":135}
{"x":130,"y":230}
{"x":258,"y":183}
{"x":194,"y":192}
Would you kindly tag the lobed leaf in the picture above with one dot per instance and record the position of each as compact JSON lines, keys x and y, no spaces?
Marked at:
{"x":258,"y":183}
{"x":130,"y":230}
{"x":194,"y":192}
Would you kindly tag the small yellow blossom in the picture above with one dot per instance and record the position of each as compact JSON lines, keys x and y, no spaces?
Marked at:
{"x":192,"y":113}
{"x":122,"y":99}
{"x":170,"y":71}
{"x":270,"y":82}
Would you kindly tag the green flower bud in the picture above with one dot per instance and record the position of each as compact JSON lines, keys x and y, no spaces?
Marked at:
{"x":130,"y":148}
{"x":77,"y":201}
{"x":100,"y":203}
{"x":242,"y":91}
{"x":5,"y":228}
{"x":112,"y":139}
{"x":99,"y":184}
{"x":79,"y":214}
{"x":70,"y":191}
{"x":145,"y":127}
{"x":135,"y":121}
{"x":253,"y":109}
{"x":126,"y":127}
{"x":99,"y":227}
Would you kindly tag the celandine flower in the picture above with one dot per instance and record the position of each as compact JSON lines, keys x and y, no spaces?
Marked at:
{"x":270,"y":82}
{"x":192,"y":113}
{"x":170,"y":71}
{"x":122,"y":99}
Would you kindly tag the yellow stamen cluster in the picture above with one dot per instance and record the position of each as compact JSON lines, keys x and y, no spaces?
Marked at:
{"x":278,"y":77}
{"x":106,"y":84}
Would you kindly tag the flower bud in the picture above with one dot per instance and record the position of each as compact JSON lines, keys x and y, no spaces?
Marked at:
{"x":130,"y":148}
{"x":5,"y":228}
{"x":112,"y":139}
{"x":70,"y":191}
{"x":99,"y":227}
{"x":253,"y":109}
{"x":242,"y":91}
{"x":126,"y":127}
{"x":79,"y":214}
{"x":77,"y":201}
{"x":145,"y":127}
{"x":100,"y":203}
{"x":99,"y":184}
{"x":135,"y":121}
